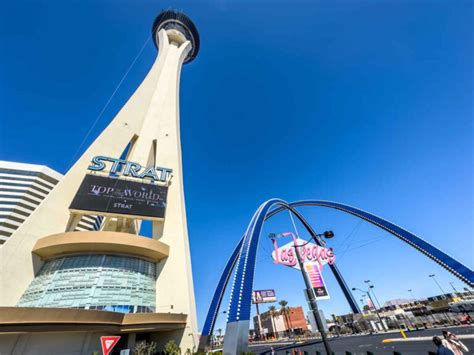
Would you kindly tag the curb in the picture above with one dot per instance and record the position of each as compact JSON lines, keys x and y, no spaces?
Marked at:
{"x":392,"y":340}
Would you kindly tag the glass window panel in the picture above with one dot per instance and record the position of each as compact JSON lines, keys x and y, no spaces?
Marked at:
{"x":119,"y":283}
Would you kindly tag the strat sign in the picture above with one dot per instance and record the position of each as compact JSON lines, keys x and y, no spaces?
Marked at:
{"x":127,"y":168}
{"x":310,"y":253}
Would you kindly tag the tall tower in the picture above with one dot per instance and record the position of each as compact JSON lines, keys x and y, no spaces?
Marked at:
{"x":135,"y":167}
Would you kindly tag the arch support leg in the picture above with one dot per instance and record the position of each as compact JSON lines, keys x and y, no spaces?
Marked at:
{"x":236,"y":337}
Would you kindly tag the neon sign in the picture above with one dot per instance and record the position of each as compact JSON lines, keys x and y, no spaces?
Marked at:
{"x":127,"y":168}
{"x":310,"y":253}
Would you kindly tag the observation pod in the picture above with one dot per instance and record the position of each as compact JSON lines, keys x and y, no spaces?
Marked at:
{"x":62,"y":272}
{"x":179,"y":29}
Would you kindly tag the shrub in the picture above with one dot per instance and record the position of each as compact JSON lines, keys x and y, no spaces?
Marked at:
{"x":171,"y":348}
{"x":144,"y":348}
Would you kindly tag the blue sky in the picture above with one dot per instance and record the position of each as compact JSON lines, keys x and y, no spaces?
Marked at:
{"x":363,"y":102}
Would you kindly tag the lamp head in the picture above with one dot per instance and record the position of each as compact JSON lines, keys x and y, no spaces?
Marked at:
{"x":328,"y":234}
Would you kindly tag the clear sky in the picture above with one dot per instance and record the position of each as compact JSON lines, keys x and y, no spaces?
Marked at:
{"x":368,"y":103}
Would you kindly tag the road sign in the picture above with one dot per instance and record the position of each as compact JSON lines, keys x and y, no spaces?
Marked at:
{"x":108,"y":343}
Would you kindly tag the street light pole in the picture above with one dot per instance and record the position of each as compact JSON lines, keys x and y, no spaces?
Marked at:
{"x":312,"y":301}
{"x":373,"y":292}
{"x":259,"y":322}
{"x":443,"y":294}
{"x":434,"y":279}
{"x":454,"y":288}
{"x":376,"y":311}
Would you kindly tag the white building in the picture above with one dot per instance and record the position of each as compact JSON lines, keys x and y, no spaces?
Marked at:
{"x":22,"y":188}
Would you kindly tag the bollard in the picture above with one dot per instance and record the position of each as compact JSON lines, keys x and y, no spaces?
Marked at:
{"x":348,"y":353}
{"x":370,"y":353}
{"x":403,"y":333}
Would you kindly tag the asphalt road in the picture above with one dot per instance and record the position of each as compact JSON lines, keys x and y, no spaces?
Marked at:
{"x":360,"y":344}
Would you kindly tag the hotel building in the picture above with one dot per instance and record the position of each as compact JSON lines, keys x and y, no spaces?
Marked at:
{"x":22,"y":188}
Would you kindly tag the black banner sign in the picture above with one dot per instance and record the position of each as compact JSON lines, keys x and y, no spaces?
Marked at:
{"x":112,"y":195}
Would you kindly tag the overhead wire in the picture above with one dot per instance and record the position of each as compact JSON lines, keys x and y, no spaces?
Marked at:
{"x":360,"y":246}
{"x":109,"y":100}
{"x":349,"y":236}
{"x":293,"y":221}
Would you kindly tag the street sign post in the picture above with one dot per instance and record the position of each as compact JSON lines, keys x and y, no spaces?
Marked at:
{"x":108,"y":343}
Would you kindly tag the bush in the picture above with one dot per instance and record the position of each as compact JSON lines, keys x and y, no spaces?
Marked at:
{"x":144,"y":348}
{"x":171,"y":348}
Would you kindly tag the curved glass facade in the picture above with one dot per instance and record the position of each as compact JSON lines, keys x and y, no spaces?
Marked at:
{"x":107,"y":282}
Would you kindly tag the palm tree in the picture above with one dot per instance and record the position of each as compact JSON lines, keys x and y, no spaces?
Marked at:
{"x":284,"y":310}
{"x":273,"y":312}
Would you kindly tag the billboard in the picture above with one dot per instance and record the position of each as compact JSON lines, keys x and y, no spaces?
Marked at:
{"x":317,"y":281}
{"x":263,"y":296}
{"x":118,"y":196}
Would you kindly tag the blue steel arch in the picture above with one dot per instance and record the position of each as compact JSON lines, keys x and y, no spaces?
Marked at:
{"x":449,"y":263}
{"x":244,"y":257}
{"x":216,"y":301}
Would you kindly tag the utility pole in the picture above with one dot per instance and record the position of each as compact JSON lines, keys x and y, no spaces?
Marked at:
{"x":312,"y":301}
